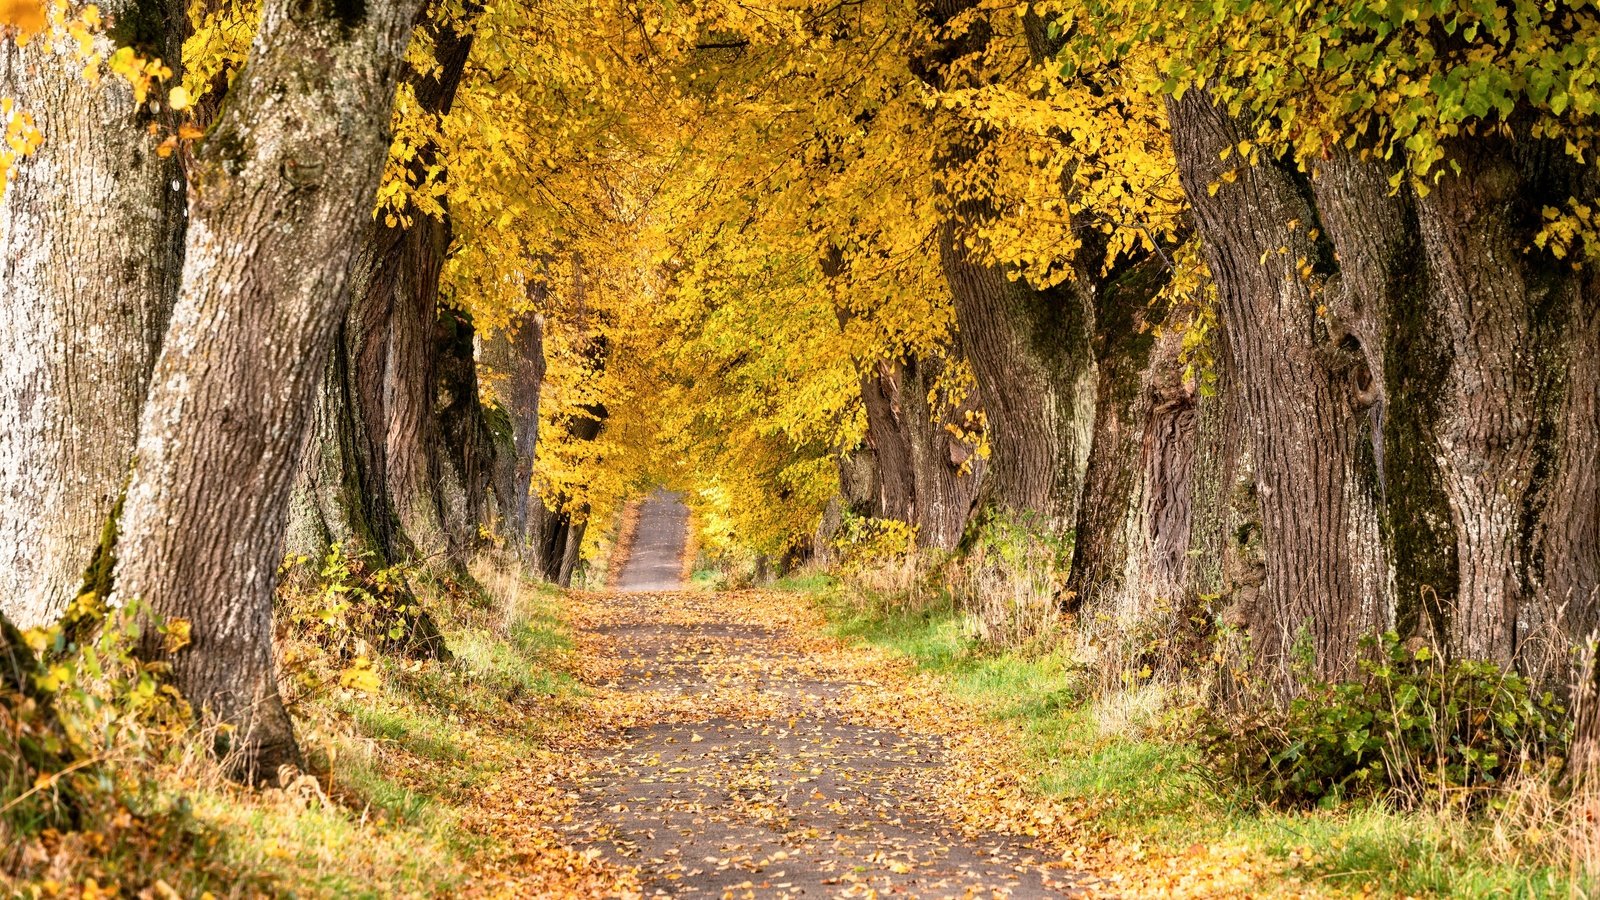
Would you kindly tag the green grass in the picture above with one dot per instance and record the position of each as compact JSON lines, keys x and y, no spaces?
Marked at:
{"x":1125,"y":761}
{"x":811,"y":582}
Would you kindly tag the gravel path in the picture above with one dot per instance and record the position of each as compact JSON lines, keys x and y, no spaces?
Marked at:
{"x":655,"y":562}
{"x":744,"y":777}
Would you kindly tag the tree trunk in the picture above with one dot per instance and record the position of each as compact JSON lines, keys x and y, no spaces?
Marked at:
{"x":282,"y":188}
{"x":516,"y":355}
{"x":91,"y":235}
{"x":1306,"y":414}
{"x":412,"y":431}
{"x":889,"y":442}
{"x":1517,"y":432}
{"x":557,"y":528}
{"x":1029,"y":349}
{"x":1030,"y":356}
{"x":926,"y":475}
{"x":1140,"y":392}
{"x":466,"y":443}
{"x":1382,"y":327}
{"x":396,"y":272}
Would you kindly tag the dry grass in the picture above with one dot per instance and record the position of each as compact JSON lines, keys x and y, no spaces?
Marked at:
{"x":394,"y":804}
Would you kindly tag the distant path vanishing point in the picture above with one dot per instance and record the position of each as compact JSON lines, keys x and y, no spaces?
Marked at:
{"x":655,"y":562}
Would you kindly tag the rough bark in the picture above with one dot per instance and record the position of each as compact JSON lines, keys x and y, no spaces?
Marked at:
{"x":394,"y":287}
{"x":281,"y":189}
{"x":1029,"y":349}
{"x":91,"y":236}
{"x":516,"y":355}
{"x":1139,"y":424}
{"x":412,"y":432}
{"x":1306,"y":412}
{"x":465,"y":444}
{"x":925,"y":474}
{"x":1384,"y":332}
{"x":1516,"y":438}
{"x":1030,"y":356}
{"x":1566,"y":537}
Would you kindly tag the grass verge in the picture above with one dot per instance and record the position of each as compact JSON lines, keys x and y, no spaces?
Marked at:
{"x":394,"y":806}
{"x":1120,"y":760}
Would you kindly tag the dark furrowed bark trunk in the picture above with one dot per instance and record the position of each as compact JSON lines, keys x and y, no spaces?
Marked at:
{"x":1034,"y":369}
{"x":1226,"y":566}
{"x":91,"y":235}
{"x":947,"y":469}
{"x":1325,"y":581}
{"x":466,"y":443}
{"x":893,"y":485}
{"x":1382,"y":330}
{"x":547,"y":544}
{"x":517,"y":356}
{"x":1566,"y":537}
{"x":1029,"y":349}
{"x":926,"y":475}
{"x":412,"y":432}
{"x":282,"y":187}
{"x":329,"y":504}
{"x":1516,"y":323}
{"x":395,"y":273}
{"x":1135,"y":465}
{"x":858,"y":496}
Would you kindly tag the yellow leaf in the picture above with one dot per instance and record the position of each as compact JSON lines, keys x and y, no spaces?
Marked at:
{"x":27,"y":16}
{"x":360,"y":678}
{"x":178,"y":98}
{"x":176,"y":630}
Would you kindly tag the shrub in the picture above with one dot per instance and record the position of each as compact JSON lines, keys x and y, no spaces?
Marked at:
{"x":81,"y":720}
{"x":354,"y":607}
{"x":1414,"y":726}
{"x":881,"y":570}
{"x":1011,"y":581}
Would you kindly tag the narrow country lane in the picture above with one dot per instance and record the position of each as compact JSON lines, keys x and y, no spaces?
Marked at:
{"x":742,"y":756}
{"x":655,"y":561}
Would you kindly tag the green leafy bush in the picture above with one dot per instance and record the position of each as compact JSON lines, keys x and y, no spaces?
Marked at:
{"x":1414,"y":726}
{"x":354,"y":606}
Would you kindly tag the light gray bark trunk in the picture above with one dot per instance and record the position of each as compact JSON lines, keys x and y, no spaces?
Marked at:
{"x":283,"y":187}
{"x":90,"y":250}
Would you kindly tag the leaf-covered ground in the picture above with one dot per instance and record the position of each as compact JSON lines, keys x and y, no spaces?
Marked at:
{"x":726,"y":744}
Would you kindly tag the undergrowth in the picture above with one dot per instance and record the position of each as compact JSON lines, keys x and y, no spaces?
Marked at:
{"x":1130,"y":755}
{"x":397,"y":749}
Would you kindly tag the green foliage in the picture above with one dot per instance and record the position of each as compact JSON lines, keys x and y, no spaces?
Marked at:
{"x":1403,"y":78}
{"x":79,"y":740}
{"x":354,"y":606}
{"x":1413,"y":726}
